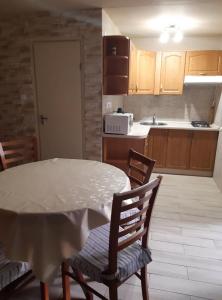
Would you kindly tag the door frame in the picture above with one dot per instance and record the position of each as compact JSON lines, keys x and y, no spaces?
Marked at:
{"x":35,"y":93}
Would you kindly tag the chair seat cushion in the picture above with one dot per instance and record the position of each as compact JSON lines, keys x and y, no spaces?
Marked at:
{"x":10,"y":271}
{"x":92,"y":260}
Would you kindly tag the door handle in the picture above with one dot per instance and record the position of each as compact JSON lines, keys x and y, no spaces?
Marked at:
{"x":43,"y":119}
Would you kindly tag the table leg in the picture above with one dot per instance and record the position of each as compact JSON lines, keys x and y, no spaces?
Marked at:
{"x":44,"y":291}
{"x":65,"y":282}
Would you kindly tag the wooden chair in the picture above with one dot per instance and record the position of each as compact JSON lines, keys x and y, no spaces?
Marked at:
{"x":13,"y":275}
{"x":18,"y":151}
{"x":112,"y":254}
{"x":140,"y":168}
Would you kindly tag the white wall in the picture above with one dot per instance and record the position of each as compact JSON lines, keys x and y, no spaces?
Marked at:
{"x":110,"y":103}
{"x":218,"y":161}
{"x":108,"y":27}
{"x":188,"y":43}
{"x":218,"y":112}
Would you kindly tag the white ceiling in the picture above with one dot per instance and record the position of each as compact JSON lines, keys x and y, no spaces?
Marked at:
{"x":12,"y":6}
{"x":195,"y":17}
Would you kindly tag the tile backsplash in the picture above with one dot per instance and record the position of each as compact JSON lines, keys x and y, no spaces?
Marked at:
{"x":194,"y":104}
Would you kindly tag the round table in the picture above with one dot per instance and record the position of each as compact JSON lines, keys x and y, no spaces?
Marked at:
{"x":47,"y":209}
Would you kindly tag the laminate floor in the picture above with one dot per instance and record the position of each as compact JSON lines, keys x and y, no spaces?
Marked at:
{"x":186,"y":244}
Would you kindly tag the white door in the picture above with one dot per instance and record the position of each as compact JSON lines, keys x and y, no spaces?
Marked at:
{"x":58,"y":90}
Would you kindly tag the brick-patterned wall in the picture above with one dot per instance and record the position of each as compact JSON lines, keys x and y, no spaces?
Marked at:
{"x":17,"y":91}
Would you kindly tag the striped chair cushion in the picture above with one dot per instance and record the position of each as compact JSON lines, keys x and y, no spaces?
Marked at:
{"x":92,"y":260}
{"x":10,"y":271}
{"x":129,"y":213}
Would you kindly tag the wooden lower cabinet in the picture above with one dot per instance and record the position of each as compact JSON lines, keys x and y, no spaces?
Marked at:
{"x":178,"y":149}
{"x":115,"y":150}
{"x":203,"y":150}
{"x":190,"y":151}
{"x":157,"y":146}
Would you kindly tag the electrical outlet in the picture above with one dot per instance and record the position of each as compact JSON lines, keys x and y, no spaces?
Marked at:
{"x":109,"y":107}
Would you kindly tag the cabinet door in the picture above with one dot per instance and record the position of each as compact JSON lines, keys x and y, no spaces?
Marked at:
{"x":220,"y":63}
{"x":203,"y":150}
{"x":172,"y":73}
{"x":178,"y":149}
{"x":146,"y":64}
{"x":203,"y":63}
{"x":157,"y":146}
{"x":132,"y":69}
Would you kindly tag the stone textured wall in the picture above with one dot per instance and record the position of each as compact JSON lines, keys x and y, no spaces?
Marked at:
{"x":17,"y":91}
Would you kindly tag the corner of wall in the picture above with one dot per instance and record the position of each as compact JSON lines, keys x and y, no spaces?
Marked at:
{"x":108,"y":26}
{"x":110,"y":103}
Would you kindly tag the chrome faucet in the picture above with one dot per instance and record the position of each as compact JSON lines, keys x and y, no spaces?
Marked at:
{"x":154,"y":119}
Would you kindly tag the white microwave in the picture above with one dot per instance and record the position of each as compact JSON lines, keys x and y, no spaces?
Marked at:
{"x":118,"y":123}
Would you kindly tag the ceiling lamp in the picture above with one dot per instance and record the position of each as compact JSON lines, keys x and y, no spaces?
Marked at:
{"x":171,"y":32}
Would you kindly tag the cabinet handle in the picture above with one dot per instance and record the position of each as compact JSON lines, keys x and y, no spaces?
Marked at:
{"x":202,"y":74}
{"x":161,"y":87}
{"x":136,"y":89}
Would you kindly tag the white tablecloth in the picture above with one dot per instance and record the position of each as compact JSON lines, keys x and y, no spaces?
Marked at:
{"x":47,"y":209}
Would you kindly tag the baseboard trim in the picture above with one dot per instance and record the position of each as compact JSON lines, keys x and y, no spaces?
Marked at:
{"x":183,"y":172}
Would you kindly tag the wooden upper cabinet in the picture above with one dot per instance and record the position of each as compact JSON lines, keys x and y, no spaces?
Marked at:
{"x":142,"y":71}
{"x":220,"y":58}
{"x":203,"y":63}
{"x":132,"y":69}
{"x":115,"y":65}
{"x":172,"y":73}
{"x":146,"y":65}
{"x":203,"y":150}
{"x":178,"y":149}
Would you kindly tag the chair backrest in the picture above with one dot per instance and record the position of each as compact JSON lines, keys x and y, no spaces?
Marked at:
{"x":140,"y":168}
{"x":18,"y":151}
{"x":120,"y":238}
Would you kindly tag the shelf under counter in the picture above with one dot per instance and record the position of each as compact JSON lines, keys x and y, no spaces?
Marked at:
{"x":115,"y":150}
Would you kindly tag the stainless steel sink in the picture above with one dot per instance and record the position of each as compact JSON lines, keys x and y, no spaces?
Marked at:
{"x":153,"y":124}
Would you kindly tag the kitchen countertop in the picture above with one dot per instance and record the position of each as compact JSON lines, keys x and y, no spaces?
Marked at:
{"x":141,"y":131}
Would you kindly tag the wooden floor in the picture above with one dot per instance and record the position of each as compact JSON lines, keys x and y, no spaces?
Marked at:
{"x":186,"y":243}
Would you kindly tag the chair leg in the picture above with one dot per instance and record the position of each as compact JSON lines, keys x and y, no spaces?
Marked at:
{"x":113,"y":292}
{"x":79,"y":276}
{"x":65,"y":282}
{"x":144,"y":283}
